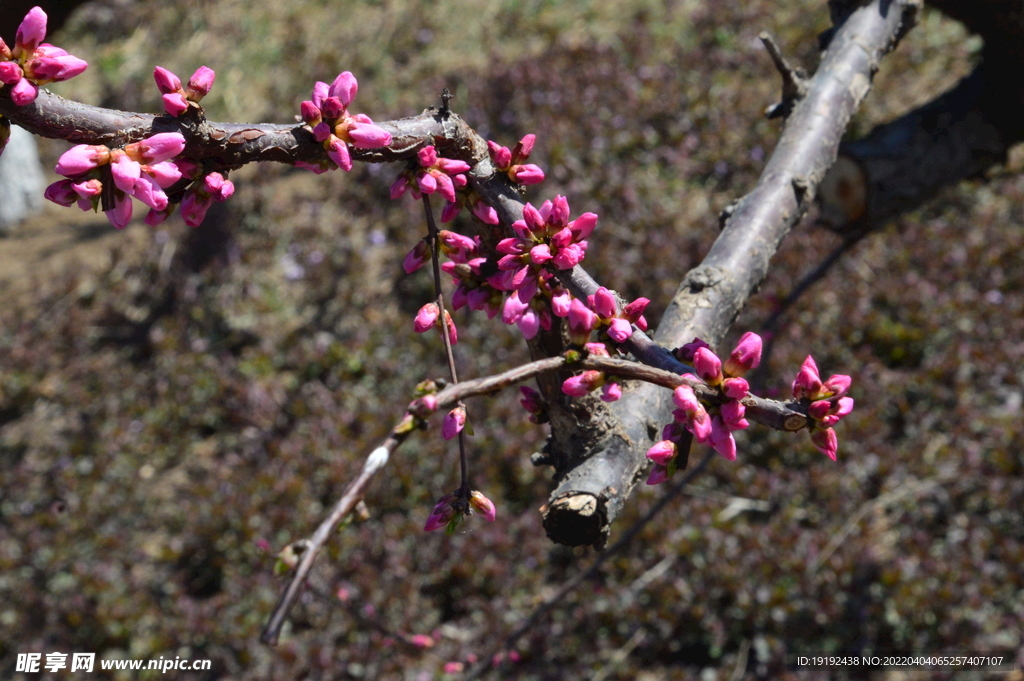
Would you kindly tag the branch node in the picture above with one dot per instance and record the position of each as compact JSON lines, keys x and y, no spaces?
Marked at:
{"x":794,"y":81}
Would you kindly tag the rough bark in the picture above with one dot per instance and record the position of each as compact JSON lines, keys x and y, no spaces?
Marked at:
{"x":591,"y":494}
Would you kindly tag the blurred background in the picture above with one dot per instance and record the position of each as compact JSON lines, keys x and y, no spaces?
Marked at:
{"x":177,"y":405}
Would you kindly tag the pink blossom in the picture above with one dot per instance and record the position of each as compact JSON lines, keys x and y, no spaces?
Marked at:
{"x":611,"y":392}
{"x":344,"y":87}
{"x":597,"y":349}
{"x":807,"y":382}
{"x":175,"y":104}
{"x":454,"y":422}
{"x":819,"y":409}
{"x":560,"y":303}
{"x":423,"y":407}
{"x":200,"y":83}
{"x":368,"y":135}
{"x":121,"y":214}
{"x":746,"y":355}
{"x":604,"y":303}
{"x":581,"y":322}
{"x":687,"y":352}
{"x":578,"y":386}
{"x":310,"y":113}
{"x":24,"y":92}
{"x":529,"y":323}
{"x":10,"y":72}
{"x":732,"y":415}
{"x":126,"y":172}
{"x":194,"y":207}
{"x":485,"y":213}
{"x":426,"y":317}
{"x":162,"y":146}
{"x":51,"y":64}
{"x":31,"y":32}
{"x":526,"y":174}
{"x":735,"y":388}
{"x":338,"y":152}
{"x":619,"y":330}
{"x":659,"y":474}
{"x":166,"y":81}
{"x":708,"y":366}
{"x":634,"y":312}
{"x":844,"y":406}
{"x":722,"y":440}
{"x":482,"y":505}
{"x":836,"y":385}
{"x":663,"y":452}
{"x":416,"y":257}
{"x":81,"y":159}
{"x":62,"y":193}
{"x":826,"y":441}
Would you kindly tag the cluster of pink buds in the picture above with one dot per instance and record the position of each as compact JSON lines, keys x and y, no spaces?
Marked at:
{"x":142,"y":169}
{"x":333,"y":126}
{"x":176,"y":98}
{"x":714,"y":425}
{"x":511,"y":162}
{"x":451,"y":508}
{"x":827,"y":403}
{"x":32,"y":62}
{"x":201,"y":195}
{"x":430,"y":316}
{"x":544,"y":236}
{"x":434,"y":174}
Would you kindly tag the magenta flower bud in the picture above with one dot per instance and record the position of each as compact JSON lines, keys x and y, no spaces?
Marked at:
{"x":485,"y":213}
{"x":444,"y":186}
{"x":310,"y":112}
{"x":31,"y":32}
{"x":453,"y":333}
{"x":562,"y":238}
{"x":427,"y":156}
{"x":577,"y":386}
{"x":321,"y":92}
{"x":88,"y":189}
{"x":322,"y":131}
{"x":416,"y":257}
{"x":332,"y":108}
{"x":826,"y":441}
{"x":54,"y":65}
{"x":439,"y":517}
{"x":619,"y":330}
{"x":836,"y":385}
{"x":150,"y":193}
{"x":807,"y":382}
{"x":5,"y":52}
{"x":10,"y":72}
{"x":500,"y":156}
{"x":735,"y":388}
{"x":512,"y":246}
{"x":452,"y":166}
{"x":581,"y":322}
{"x":843,"y":407}
{"x":399,"y":187}
{"x":61,"y":192}
{"x":225,"y":192}
{"x":526,"y":174}
{"x":540,"y":254}
{"x":819,"y":409}
{"x":426,"y":183}
{"x":423,"y":407}
{"x":708,"y":366}
{"x":24,"y":92}
{"x":659,"y":474}
{"x":534,"y":221}
{"x":684,"y":398}
{"x":597,"y":349}
{"x":344,"y":87}
{"x":166,"y":81}
{"x":81,"y":159}
{"x":165,"y":173}
{"x":746,"y":355}
{"x":194,"y":207}
{"x":175,"y":104}
{"x":156,"y":217}
{"x":722,"y":440}
{"x":732,"y":415}
{"x":559,"y":214}
{"x":482,"y":505}
{"x":531,"y":400}
{"x":611,"y":392}
{"x":604,"y":303}
{"x":583,"y":225}
{"x":121,"y":214}
{"x":338,"y":152}
{"x":454,"y":422}
{"x":568,"y":257}
{"x":162,"y":146}
{"x":513,"y":309}
{"x":368,"y":136}
{"x":426,"y":317}
{"x":686,"y":352}
{"x":663,"y":452}
{"x":524,"y":148}
{"x":126,"y":172}
{"x":200,"y":83}
{"x":560,"y":303}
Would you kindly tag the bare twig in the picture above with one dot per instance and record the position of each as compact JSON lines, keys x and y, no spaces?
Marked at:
{"x":794,"y":81}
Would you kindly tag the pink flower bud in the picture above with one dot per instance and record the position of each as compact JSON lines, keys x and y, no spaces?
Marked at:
{"x":819,"y":409}
{"x":569,"y":257}
{"x":735,"y":388}
{"x":423,"y":407}
{"x":686,"y":352}
{"x":732,"y":415}
{"x":162,"y":146}
{"x":200,"y":83}
{"x":5,"y":52}
{"x":427,"y":156}
{"x":321,"y":92}
{"x":453,"y":333}
{"x":634,"y":311}
{"x":844,"y":406}
{"x":746,"y":355}
{"x":826,"y":441}
{"x":454,"y":422}
{"x":485,"y":213}
{"x":322,"y":131}
{"x":399,"y":187}
{"x":611,"y":392}
{"x":559,"y":211}
{"x":10,"y":72}
{"x":332,"y":108}
{"x":583,"y":225}
{"x":604,"y":303}
{"x":62,"y":193}
{"x":31,"y":32}
{"x":663,"y":452}
{"x":708,"y":366}
{"x":597,"y":349}
{"x":344,"y":87}
{"x":367,"y":136}
{"x":121,"y":214}
{"x":529,"y":323}
{"x":175,"y":104}
{"x":338,"y":152}
{"x":147,"y":191}
{"x":577,"y":386}
{"x":194,"y":207}
{"x":722,"y":440}
{"x":166,"y":81}
{"x":421,"y":641}
{"x":310,"y":112}
{"x":445,"y":187}
{"x":659,"y":474}
{"x":426,"y":317}
{"x":24,"y":92}
{"x":156,"y":217}
{"x":416,"y":257}
{"x":165,"y":173}
{"x":453,"y":667}
{"x":54,"y":65}
{"x":807,"y":382}
{"x":426,"y":182}
{"x":581,"y":322}
{"x":524,"y":148}
{"x":684,"y":398}
{"x":531,"y":400}
{"x":619,"y":330}
{"x":81,"y":159}
{"x":836,"y":385}
{"x":482,"y":505}
{"x":526,"y":174}
{"x":126,"y":172}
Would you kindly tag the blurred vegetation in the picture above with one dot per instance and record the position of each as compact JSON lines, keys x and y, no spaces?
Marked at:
{"x":208,"y":393}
